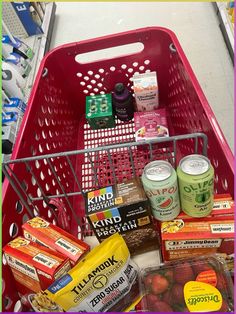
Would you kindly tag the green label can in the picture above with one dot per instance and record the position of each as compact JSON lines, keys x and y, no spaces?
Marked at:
{"x":160,"y":184}
{"x":196,"y":184}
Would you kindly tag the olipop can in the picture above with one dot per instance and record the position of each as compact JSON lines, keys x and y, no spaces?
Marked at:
{"x":160,"y":184}
{"x":196,"y":184}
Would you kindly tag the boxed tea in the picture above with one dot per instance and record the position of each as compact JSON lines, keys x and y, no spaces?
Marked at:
{"x":150,"y":125}
{"x":34,"y":267}
{"x":122,"y":208}
{"x":99,"y":112}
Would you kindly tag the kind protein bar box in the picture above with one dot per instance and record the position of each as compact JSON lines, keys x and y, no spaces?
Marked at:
{"x":122,"y":208}
{"x":185,"y":238}
{"x":34,"y":267}
{"x":41,"y":231}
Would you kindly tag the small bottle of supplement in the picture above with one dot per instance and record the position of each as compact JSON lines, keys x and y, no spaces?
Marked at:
{"x":123,"y":102}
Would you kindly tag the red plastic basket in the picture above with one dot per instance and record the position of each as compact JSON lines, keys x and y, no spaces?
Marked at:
{"x":54,"y":122}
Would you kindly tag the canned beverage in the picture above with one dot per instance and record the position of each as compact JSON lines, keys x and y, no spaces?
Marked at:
{"x":196,"y":184}
{"x":160,"y":184}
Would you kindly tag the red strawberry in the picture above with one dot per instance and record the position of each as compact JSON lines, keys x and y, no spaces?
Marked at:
{"x":224,"y":307}
{"x":221,"y":284}
{"x":177,"y":293}
{"x":184,"y":273}
{"x":167,"y":297}
{"x":159,"y":284}
{"x":148,"y":280}
{"x":169,"y":274}
{"x":149,"y":300}
{"x":161,"y":306}
{"x":198,"y":268}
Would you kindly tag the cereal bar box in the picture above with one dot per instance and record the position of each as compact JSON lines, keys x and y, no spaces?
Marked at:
{"x":34,"y":267}
{"x":45,"y":233}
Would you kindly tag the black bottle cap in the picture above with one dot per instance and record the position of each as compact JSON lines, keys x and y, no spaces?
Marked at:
{"x":119,"y":88}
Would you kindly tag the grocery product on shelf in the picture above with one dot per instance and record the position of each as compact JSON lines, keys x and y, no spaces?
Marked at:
{"x":19,"y":63}
{"x":8,"y":136}
{"x":23,"y":23}
{"x":146,"y":91}
{"x":14,"y":105}
{"x":150,"y":125}
{"x":13,"y":44}
{"x":34,"y":267}
{"x":40,"y":231}
{"x":196,"y":185}
{"x":160,"y":184}
{"x":11,"y":119}
{"x":185,"y":238}
{"x":200,"y":284}
{"x":12,"y":81}
{"x":99,"y":113}
{"x":122,"y":208}
{"x":105,"y":280}
{"x":122,"y":101}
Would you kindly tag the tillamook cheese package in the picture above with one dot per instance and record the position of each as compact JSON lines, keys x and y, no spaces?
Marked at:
{"x":34,"y":267}
{"x":105,"y":280}
{"x":45,"y":233}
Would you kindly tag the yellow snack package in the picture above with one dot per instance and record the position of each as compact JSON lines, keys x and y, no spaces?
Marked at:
{"x":105,"y":280}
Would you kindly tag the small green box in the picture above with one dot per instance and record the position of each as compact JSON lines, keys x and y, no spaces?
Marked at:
{"x":99,"y":111}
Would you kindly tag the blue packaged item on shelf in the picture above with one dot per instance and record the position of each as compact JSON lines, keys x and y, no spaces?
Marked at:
{"x":15,"y":105}
{"x":9,"y":117}
{"x":18,"y":46}
{"x":20,"y":63}
{"x":22,"y":10}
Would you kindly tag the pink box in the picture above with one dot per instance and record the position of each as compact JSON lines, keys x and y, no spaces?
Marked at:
{"x":150,"y":125}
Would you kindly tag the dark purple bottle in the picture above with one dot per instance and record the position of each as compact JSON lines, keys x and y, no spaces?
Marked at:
{"x":122,"y":101}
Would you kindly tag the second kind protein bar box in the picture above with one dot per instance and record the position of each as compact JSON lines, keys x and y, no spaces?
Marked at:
{"x":34,"y":266}
{"x":41,"y":231}
{"x":122,"y":208}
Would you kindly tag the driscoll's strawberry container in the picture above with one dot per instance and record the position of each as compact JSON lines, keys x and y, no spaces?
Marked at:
{"x":200,"y":284}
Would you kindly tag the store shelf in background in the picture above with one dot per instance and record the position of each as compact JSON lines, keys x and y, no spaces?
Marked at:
{"x":226,"y":26}
{"x":40,"y":45}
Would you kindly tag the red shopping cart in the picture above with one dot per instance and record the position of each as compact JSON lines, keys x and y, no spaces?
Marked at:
{"x":58,"y":157}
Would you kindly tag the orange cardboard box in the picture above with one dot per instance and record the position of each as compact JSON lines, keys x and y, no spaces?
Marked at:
{"x":185,"y":238}
{"x":34,"y":267}
{"x":223,"y":205}
{"x":45,"y":233}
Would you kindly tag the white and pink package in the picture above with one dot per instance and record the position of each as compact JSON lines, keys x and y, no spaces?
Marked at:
{"x":146,"y":91}
{"x":150,"y":125}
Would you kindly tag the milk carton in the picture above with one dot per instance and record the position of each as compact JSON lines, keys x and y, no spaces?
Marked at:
{"x":146,"y":91}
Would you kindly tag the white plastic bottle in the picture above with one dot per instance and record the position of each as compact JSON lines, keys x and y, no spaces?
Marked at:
{"x":12,"y":81}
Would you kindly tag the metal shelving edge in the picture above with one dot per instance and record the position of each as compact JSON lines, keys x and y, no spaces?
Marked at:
{"x":40,"y":45}
{"x":225,"y":26}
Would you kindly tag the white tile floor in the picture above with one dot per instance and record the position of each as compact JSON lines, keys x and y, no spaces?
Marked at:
{"x":195,"y":24}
